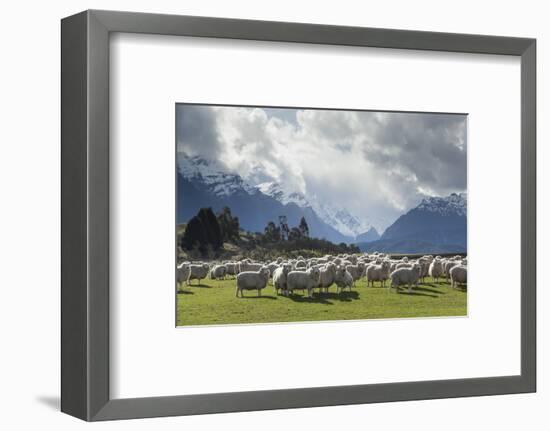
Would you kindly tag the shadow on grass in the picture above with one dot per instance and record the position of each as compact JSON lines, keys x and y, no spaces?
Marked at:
{"x":424,"y":289}
{"x":346,"y":296}
{"x":200,"y":286}
{"x":415,"y":292}
{"x":325,"y":297}
{"x":185,"y":292}
{"x":258,"y":297}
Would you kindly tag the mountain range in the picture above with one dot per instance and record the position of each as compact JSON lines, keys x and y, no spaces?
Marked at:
{"x":204,"y":183}
{"x":436,"y":225}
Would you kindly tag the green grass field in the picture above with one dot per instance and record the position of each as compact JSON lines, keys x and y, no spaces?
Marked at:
{"x":214,"y":303}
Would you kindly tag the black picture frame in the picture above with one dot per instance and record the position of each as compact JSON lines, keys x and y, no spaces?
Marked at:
{"x":85,"y":214}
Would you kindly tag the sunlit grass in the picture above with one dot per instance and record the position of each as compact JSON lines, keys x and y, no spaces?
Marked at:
{"x":214,"y":303}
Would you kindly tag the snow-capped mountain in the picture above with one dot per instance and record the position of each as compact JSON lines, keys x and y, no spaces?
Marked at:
{"x":212,"y":174}
{"x":339,"y":218}
{"x":454,"y":204}
{"x":274,"y":190}
{"x":436,"y":225}
{"x":202,"y":183}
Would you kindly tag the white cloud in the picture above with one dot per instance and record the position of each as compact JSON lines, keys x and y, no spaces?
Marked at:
{"x":375,"y":164}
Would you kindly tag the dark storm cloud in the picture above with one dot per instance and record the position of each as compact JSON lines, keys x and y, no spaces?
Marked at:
{"x":375,"y":164}
{"x":196,"y":129}
{"x":431,"y":147}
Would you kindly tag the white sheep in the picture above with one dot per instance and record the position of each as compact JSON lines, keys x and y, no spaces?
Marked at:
{"x":447,"y":267}
{"x":378,"y":273}
{"x":218,"y":272}
{"x":405,"y":276}
{"x":279,"y":277}
{"x":197,"y":272}
{"x":436,"y":269}
{"x":343,"y":279}
{"x":327,"y":274}
{"x":272,"y":267}
{"x":252,"y":280}
{"x":182,"y":272}
{"x":232,"y":268}
{"x":300,"y":264}
{"x":459,"y":275}
{"x":357,"y":271}
{"x":303,"y":280}
{"x":246,"y":265}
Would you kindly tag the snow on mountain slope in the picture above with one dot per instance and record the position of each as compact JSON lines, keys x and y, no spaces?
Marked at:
{"x":455,"y":203}
{"x":339,"y":218}
{"x":222,"y":183}
{"x":213,"y":175}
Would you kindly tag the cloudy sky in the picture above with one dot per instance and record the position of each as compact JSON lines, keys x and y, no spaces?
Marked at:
{"x":377,"y":165}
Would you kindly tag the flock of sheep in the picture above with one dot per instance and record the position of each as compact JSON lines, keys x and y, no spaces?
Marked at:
{"x":342,"y":271}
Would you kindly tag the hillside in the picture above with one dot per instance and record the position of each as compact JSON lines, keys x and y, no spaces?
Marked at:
{"x":436,"y":225}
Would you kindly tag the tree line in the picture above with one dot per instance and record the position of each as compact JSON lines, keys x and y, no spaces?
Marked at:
{"x":206,"y":233}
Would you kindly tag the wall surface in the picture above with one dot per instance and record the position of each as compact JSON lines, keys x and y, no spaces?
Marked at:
{"x":30,"y":216}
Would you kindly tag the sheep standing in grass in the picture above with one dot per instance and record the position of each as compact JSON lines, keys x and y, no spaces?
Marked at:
{"x":424,"y":263}
{"x":197,"y":272}
{"x":182,"y":272}
{"x":301,"y":264}
{"x":343,"y":279}
{"x":436,"y":269}
{"x":378,"y":273}
{"x":327,"y":274}
{"x":405,"y":276}
{"x":459,"y":275}
{"x":218,"y":272}
{"x":279,"y":277}
{"x":303,"y":280}
{"x":272,"y":267}
{"x":247,"y":266}
{"x":252,"y":280}
{"x":232,"y":268}
{"x":357,"y":271}
{"x":447,"y":266}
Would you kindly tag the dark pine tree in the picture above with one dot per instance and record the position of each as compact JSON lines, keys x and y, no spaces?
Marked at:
{"x":229,"y":225}
{"x":204,"y":230}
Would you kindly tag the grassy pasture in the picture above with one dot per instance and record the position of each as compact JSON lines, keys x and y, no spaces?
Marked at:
{"x":213,"y":302}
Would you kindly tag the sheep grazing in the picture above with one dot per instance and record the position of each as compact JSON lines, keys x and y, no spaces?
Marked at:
{"x":300,"y":264}
{"x":459,"y":275}
{"x":272,"y":267}
{"x":436,"y":269}
{"x":424,"y":263}
{"x":252,"y":280}
{"x":378,"y":273}
{"x":247,"y":266}
{"x":279,"y":277}
{"x":232,"y":268}
{"x":405,"y":276}
{"x":447,"y":268}
{"x":303,"y":280}
{"x":182,"y":272}
{"x":403,"y":265}
{"x":218,"y":272}
{"x":357,"y":271}
{"x":197,"y":272}
{"x":343,"y":279}
{"x":327,"y":275}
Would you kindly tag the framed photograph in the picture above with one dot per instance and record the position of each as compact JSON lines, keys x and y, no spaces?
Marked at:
{"x":267,"y":215}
